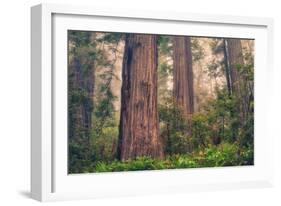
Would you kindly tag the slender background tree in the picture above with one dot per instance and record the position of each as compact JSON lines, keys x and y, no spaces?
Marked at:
{"x":183,"y":75}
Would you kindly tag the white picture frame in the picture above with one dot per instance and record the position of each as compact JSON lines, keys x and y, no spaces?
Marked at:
{"x":49,"y":178}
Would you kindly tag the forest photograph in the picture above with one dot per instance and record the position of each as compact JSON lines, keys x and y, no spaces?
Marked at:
{"x":150,"y":102}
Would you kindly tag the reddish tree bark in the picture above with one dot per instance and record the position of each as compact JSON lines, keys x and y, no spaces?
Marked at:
{"x":183,"y":75}
{"x":139,"y":127}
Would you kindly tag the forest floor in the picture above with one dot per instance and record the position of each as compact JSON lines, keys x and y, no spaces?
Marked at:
{"x":213,"y":156}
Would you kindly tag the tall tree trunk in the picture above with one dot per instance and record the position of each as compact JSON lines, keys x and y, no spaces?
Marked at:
{"x":139,"y":126}
{"x":227,"y":67}
{"x":81,"y":90}
{"x":239,"y":84}
{"x":235,"y":58}
{"x":183,"y":75}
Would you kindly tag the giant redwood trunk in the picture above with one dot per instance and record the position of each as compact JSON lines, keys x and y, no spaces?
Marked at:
{"x":139,"y":129}
{"x":183,"y":75}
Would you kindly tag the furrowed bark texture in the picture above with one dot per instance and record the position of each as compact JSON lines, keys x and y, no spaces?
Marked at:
{"x":183,"y":75}
{"x":139,"y":127}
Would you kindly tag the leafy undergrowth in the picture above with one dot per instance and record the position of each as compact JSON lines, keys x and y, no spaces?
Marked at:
{"x":214,"y":156}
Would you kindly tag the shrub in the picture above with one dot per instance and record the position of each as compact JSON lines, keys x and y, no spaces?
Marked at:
{"x":213,"y":156}
{"x":174,"y":129}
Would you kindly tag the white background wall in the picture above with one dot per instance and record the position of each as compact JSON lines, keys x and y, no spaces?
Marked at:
{"x":15,"y":102}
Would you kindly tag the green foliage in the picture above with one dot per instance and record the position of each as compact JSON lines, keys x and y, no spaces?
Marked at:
{"x":200,"y":129}
{"x":104,"y":132}
{"x":164,"y":66}
{"x":104,"y":144}
{"x":165,"y":51}
{"x":78,"y":96}
{"x":164,"y":45}
{"x":173,"y":128}
{"x":80,"y":38}
{"x":79,"y":158}
{"x":113,"y":38}
{"x":226,"y":155}
{"x":222,"y":118}
{"x":218,"y":123}
{"x":248,"y":67}
{"x":212,"y":156}
{"x":98,"y":141}
{"x":215,"y":69}
{"x":246,"y":71}
{"x":79,"y":99}
{"x":165,"y":69}
{"x":197,"y":50}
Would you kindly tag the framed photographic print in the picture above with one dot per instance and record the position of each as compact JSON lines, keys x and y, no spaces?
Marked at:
{"x":137,"y":102}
